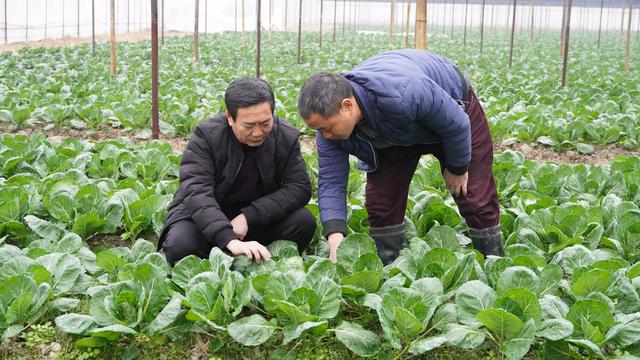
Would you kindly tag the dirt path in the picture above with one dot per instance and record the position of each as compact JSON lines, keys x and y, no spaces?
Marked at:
{"x":602,"y":155}
{"x":66,"y":41}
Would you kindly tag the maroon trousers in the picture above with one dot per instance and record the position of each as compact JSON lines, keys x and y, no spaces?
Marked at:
{"x":388,"y":187}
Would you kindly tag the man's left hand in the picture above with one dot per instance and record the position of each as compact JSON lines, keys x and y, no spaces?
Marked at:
{"x":240,"y":226}
{"x":457,"y":184}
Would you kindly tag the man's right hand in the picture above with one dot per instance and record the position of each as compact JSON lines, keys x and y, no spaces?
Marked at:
{"x":334,"y":240}
{"x":253,"y":250}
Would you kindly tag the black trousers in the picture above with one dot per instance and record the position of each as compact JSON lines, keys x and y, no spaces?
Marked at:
{"x":183,"y":237}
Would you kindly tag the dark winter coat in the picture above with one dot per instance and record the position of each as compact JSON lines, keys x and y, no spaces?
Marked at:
{"x":210,"y":163}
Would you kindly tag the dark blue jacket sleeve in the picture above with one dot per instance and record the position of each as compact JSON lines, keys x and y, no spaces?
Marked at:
{"x":333,"y":173}
{"x":428,"y":104}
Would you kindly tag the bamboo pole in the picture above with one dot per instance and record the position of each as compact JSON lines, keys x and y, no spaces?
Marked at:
{"x":482,"y":25}
{"x":6,"y":40}
{"x":335,"y":14}
{"x":113,"y":37}
{"x":493,"y":10}
{"x":242,"y":14}
{"x":564,"y":22}
{"x":270,"y":18}
{"x":421,"y":40}
{"x":321,"y":11}
{"x":155,"y":115}
{"x":406,"y":36}
{"x":513,"y":31}
{"x":258,"y":33}
{"x":128,"y":7}
{"x":78,"y":17}
{"x":444,"y":16}
{"x":391,"y":21}
{"x":622,"y":21}
{"x":93,"y":27}
{"x":206,"y":19}
{"x":163,"y":22}
{"x":466,"y":10}
{"x":627,"y":57}
{"x":196,"y":30}
{"x":344,"y":12}
{"x":299,"y":31}
{"x":531,"y":10}
{"x":600,"y":23}
{"x":567,"y":32}
{"x":453,"y":15}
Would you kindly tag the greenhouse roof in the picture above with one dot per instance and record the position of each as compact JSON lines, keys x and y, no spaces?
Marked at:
{"x":581,"y":3}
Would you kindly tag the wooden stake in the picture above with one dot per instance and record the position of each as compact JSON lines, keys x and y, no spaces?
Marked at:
{"x":421,"y":40}
{"x":155,"y":115}
{"x":196,"y":30}
{"x":113,"y":37}
{"x":565,"y":56}
{"x":513,"y":31}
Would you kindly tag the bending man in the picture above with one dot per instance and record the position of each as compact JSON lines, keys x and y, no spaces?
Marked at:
{"x":388,"y":111}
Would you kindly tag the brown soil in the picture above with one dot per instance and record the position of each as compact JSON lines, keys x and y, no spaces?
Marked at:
{"x":541,"y":153}
{"x":66,"y":41}
{"x":602,"y":155}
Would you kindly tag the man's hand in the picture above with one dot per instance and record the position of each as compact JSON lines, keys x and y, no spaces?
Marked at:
{"x":334,"y":240}
{"x":457,"y":184}
{"x":253,"y":250}
{"x":240,"y":226}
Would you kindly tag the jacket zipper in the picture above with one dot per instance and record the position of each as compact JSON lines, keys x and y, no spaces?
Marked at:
{"x":373,"y":151}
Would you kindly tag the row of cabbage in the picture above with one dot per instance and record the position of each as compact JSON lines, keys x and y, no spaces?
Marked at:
{"x":569,"y":283}
{"x":68,"y":87}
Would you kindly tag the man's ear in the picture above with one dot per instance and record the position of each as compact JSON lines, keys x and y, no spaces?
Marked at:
{"x":347,"y":104}
{"x":229,"y":118}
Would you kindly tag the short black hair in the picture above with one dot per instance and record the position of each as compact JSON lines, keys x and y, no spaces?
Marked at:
{"x":245,"y":92}
{"x":322,"y":94}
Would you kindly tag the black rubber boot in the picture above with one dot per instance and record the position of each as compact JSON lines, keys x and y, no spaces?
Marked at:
{"x":488,"y":241}
{"x":389,"y":241}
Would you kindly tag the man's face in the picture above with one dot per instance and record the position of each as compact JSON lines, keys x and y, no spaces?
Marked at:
{"x":252,"y":124}
{"x":338,"y":126}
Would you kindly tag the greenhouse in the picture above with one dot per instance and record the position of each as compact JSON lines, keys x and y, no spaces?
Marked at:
{"x":320,"y":179}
